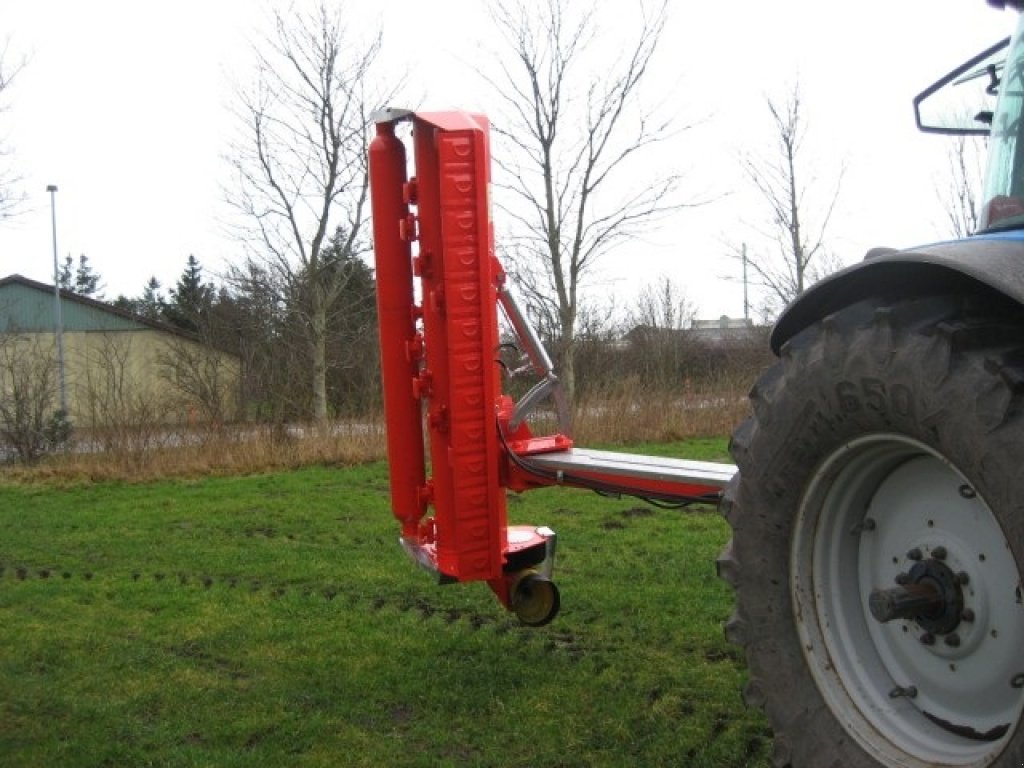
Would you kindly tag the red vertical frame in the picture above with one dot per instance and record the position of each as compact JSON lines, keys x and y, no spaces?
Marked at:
{"x":398,"y":336}
{"x":459,"y":279}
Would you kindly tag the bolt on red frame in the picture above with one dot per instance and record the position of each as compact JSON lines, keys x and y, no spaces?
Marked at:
{"x":441,"y":376}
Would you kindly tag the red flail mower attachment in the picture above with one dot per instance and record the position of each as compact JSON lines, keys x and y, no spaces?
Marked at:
{"x":442,"y":376}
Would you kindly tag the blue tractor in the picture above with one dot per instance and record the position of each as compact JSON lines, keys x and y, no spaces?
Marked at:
{"x":878,"y":513}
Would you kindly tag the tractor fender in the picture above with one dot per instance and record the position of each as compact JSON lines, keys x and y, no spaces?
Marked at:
{"x":963,"y":266}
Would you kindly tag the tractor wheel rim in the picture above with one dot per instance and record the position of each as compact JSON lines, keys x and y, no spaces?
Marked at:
{"x":877,"y":510}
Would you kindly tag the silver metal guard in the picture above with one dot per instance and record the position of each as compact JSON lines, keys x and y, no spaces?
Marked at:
{"x":549,"y":385}
{"x":419,"y":554}
{"x":547,"y":567}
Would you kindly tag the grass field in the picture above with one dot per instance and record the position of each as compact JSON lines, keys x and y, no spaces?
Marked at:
{"x":272,"y":620}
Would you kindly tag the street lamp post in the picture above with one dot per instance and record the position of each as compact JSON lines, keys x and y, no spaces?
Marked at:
{"x":57,"y":317}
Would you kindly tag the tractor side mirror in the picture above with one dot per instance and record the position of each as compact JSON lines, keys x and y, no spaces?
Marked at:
{"x":962,"y":102}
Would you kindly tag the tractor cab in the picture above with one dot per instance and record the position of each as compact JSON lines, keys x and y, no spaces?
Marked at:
{"x":985,"y":97}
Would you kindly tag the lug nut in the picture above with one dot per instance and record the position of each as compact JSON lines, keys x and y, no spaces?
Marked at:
{"x":952,"y":640}
{"x":901,"y":692}
{"x":1017,"y":681}
{"x":867,"y":524}
{"x":967,"y":615}
{"x":962,"y":578}
{"x":927,"y":639}
{"x":914,"y":554}
{"x":939,"y":553}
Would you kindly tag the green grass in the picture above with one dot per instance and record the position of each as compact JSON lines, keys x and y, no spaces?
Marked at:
{"x":273,"y":620}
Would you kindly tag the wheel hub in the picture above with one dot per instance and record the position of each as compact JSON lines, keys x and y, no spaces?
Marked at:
{"x":930,"y":594}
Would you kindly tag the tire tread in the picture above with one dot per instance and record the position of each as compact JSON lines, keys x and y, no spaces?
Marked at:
{"x":944,"y":341}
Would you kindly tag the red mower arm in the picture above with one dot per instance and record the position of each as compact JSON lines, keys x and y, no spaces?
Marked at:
{"x":442,"y":377}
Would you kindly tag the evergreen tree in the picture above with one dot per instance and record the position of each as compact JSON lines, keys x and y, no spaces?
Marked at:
{"x":87,"y":281}
{"x":352,"y":373}
{"x":190,"y":299}
{"x":64,"y":275}
{"x":125,"y":304}
{"x":82,"y":280}
{"x":152,"y":304}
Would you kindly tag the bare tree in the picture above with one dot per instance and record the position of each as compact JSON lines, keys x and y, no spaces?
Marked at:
{"x":573,"y":132}
{"x":797,"y":225}
{"x":202,"y":377}
{"x":664,"y":305}
{"x":301,"y":168}
{"x":658,"y":335}
{"x":125,"y":412}
{"x":10,"y":196}
{"x":28,"y":389}
{"x":271,"y":352}
{"x":962,"y":194}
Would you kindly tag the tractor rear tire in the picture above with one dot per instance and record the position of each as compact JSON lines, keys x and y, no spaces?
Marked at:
{"x":886,"y":449}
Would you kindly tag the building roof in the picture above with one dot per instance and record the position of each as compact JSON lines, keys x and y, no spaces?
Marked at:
{"x":27,"y":305}
{"x":724,"y":323}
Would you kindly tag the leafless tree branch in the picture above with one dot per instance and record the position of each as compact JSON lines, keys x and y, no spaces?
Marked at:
{"x":300,"y":168}
{"x":961,"y":200}
{"x":11,"y":195}
{"x":794,"y":252}
{"x":572,"y":134}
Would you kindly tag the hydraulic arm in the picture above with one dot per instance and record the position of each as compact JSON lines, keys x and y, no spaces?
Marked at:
{"x":439,"y":286}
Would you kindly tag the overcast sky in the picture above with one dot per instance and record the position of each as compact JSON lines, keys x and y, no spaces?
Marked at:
{"x":124,"y":105}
